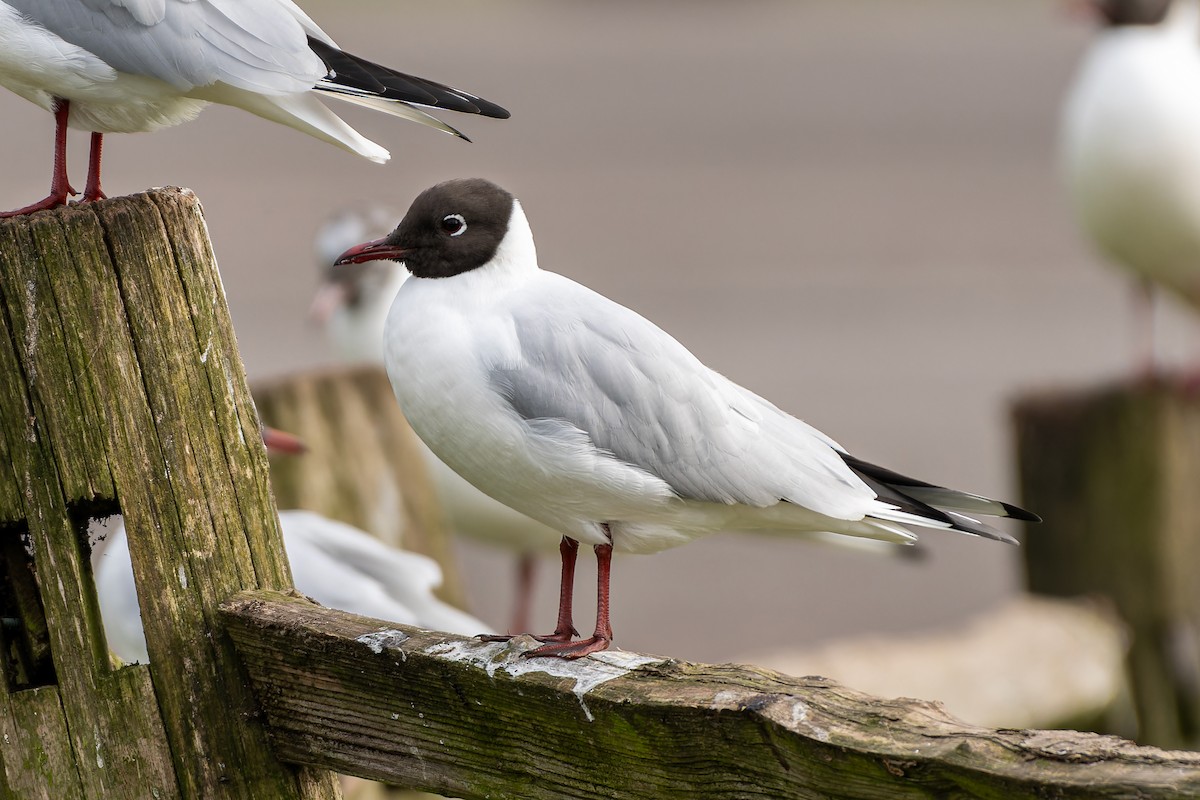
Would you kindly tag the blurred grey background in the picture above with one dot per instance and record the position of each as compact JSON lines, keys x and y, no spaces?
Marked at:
{"x":849,"y":206}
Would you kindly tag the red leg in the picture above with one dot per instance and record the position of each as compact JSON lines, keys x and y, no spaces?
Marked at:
{"x":569,"y":550}
{"x":602,"y":637}
{"x":526,"y":572}
{"x":92,"y":192}
{"x":1146,"y":361}
{"x":60,"y":187}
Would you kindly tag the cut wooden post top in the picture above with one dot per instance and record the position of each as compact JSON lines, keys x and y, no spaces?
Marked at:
{"x":123,"y":391}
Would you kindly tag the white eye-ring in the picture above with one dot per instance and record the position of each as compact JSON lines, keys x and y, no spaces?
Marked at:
{"x":454,"y":224}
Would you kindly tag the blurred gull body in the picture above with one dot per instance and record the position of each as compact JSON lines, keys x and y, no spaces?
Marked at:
{"x":584,"y":415}
{"x":335,"y":564}
{"x":128,"y":66}
{"x":1131,"y":144}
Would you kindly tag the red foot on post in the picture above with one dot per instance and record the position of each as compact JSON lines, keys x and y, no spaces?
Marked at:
{"x":52,"y":201}
{"x":557,"y":636}
{"x":570,"y":649}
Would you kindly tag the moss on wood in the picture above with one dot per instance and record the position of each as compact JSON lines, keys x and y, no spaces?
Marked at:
{"x":476,"y":720}
{"x":124,"y":389}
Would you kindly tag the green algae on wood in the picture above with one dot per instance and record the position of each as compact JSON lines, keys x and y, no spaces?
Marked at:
{"x":477,"y":720}
{"x":124,"y":389}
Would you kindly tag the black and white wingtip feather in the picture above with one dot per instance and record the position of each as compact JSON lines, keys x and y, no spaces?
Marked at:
{"x":937,"y":502}
{"x":364,"y":82}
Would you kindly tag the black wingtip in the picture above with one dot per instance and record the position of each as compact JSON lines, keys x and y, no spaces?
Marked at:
{"x":490,"y":109}
{"x":355,"y":72}
{"x":1016,"y":512}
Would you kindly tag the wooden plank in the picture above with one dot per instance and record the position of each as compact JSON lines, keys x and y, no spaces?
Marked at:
{"x":477,"y":720}
{"x":1113,"y":471}
{"x":52,"y":346}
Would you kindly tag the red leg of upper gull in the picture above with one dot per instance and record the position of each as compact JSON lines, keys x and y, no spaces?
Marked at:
{"x":92,"y":191}
{"x":60,"y":187}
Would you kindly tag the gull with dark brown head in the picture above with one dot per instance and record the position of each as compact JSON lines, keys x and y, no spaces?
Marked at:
{"x":587,"y":417}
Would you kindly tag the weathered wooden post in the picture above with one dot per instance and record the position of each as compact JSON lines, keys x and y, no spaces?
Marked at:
{"x":363,"y":467}
{"x":122,"y":391}
{"x":1115,"y":473}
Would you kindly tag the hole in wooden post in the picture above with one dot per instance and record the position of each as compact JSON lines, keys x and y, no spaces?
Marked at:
{"x":112,"y":596}
{"x":24,"y":638}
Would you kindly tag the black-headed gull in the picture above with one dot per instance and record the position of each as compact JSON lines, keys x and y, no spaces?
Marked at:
{"x":1130,"y":146}
{"x":351,"y":304}
{"x":335,"y":564}
{"x":582,"y":414}
{"x":128,"y":66}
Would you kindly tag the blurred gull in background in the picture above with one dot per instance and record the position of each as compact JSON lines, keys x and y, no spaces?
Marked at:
{"x":1131,"y":148}
{"x":127,"y":66}
{"x":335,"y":564}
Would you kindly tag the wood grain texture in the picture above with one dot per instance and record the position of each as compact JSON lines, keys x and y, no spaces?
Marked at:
{"x":126,"y":392}
{"x":1115,"y":473}
{"x":476,"y":720}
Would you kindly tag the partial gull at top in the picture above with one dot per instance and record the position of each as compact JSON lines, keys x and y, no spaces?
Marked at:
{"x":586,"y":416}
{"x":128,"y":66}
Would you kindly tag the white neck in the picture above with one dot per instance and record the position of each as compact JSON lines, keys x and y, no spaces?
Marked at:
{"x":516,"y":252}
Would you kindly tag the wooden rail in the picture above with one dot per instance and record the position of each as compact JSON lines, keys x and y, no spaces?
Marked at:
{"x":477,"y":720}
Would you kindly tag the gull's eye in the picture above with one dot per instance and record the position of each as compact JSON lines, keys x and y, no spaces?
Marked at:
{"x":454,"y":224}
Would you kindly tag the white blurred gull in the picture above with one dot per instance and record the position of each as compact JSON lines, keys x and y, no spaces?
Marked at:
{"x":128,"y":66}
{"x":1130,"y":146}
{"x":335,"y":564}
{"x":584,"y":415}
{"x":351,"y":304}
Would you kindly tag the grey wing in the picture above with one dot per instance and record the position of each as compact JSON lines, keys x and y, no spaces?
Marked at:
{"x":257,"y":45}
{"x":641,"y":396}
